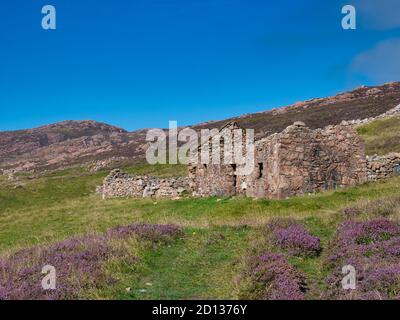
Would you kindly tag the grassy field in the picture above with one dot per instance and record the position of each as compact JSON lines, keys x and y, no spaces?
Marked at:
{"x":381,"y":136}
{"x":206,"y":263}
{"x":219,"y":233}
{"x":158,"y":170}
{"x":62,"y":204}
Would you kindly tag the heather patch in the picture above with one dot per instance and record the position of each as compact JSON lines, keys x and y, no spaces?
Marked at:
{"x":79,"y":262}
{"x":373,"y":249}
{"x":270,"y":277}
{"x":293,"y":238}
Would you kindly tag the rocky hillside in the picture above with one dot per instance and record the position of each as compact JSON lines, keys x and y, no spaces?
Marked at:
{"x":66,"y":143}
{"x":361,"y":103}
{"x":76,"y":142}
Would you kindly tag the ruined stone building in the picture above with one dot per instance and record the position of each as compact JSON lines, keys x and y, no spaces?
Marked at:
{"x":296,"y":161}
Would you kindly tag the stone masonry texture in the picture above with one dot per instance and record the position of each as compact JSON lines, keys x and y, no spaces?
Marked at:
{"x":293,"y":162}
{"x":296,"y":161}
{"x":120,"y":184}
{"x":381,"y":167}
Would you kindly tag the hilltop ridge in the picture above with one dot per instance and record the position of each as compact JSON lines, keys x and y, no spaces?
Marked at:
{"x":76,"y":142}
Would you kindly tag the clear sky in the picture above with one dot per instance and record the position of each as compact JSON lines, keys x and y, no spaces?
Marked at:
{"x":139,"y":63}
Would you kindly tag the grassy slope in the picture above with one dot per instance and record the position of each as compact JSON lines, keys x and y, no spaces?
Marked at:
{"x":381,"y":136}
{"x":54,"y":207}
{"x":219,"y":232}
{"x":205,"y":264}
{"x":198,"y":267}
{"x":318,"y":114}
{"x":158,"y":170}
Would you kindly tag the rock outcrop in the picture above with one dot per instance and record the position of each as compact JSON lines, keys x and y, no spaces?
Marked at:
{"x":67,"y":143}
{"x":95,"y":166}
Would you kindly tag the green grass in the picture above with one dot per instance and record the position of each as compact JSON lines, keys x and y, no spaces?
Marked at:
{"x":203,"y":265}
{"x":219,"y":232}
{"x":60,"y":205}
{"x":313,"y":267}
{"x":158,"y":170}
{"x":381,"y":136}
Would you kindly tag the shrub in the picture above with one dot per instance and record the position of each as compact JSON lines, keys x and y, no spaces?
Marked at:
{"x":293,"y":237}
{"x":3,"y":293}
{"x":270,"y":277}
{"x":79,"y":262}
{"x":373,"y":249}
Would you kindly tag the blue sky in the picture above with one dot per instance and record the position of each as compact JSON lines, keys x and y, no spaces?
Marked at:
{"x":139,"y":63}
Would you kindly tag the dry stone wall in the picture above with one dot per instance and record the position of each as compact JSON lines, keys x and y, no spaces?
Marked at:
{"x":358,"y":122}
{"x":381,"y":167}
{"x":120,"y":184}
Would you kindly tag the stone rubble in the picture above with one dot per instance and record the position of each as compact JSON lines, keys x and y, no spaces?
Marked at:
{"x":10,"y":173}
{"x":95,"y":166}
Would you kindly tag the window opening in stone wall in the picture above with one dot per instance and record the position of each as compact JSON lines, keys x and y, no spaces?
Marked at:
{"x":234,"y":175}
{"x":260,"y":170}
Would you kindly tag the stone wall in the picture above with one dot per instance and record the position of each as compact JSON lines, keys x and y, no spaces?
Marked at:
{"x":296,"y":161}
{"x":380,"y":167}
{"x":299,"y":160}
{"x":358,"y":122}
{"x":212,"y":180}
{"x":215,"y":179}
{"x":120,"y":184}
